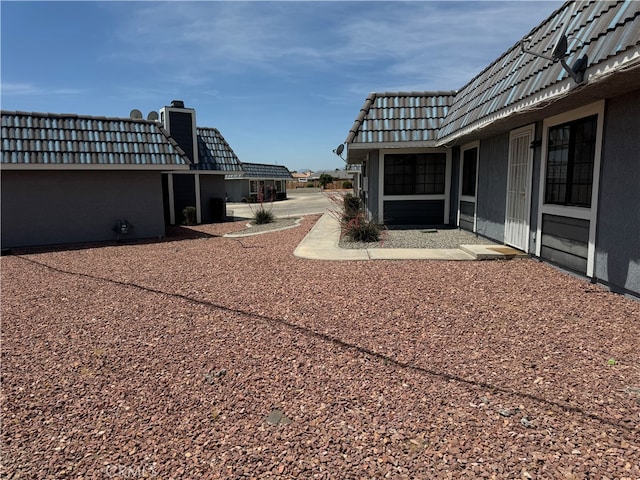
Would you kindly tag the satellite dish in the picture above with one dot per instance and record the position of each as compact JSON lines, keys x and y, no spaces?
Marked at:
{"x":153,"y":115}
{"x":135,"y":114}
{"x":340,"y":149}
{"x":559,"y":54}
{"x":561,"y":48}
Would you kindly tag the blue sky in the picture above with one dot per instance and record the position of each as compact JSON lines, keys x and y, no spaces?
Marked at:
{"x":282,"y":81}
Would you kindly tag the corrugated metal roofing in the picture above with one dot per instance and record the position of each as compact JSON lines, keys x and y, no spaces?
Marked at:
{"x":599,"y":29}
{"x":262,"y":170}
{"x":54,"y":139}
{"x":215,"y":153}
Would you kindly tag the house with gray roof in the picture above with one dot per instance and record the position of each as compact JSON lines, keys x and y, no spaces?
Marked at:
{"x":258,"y":181}
{"x":538,"y":151}
{"x":71,"y":178}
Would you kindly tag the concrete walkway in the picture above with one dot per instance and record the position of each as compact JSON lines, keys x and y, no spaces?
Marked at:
{"x":321,"y":243}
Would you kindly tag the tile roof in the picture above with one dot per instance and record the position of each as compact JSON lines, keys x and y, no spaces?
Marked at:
{"x":67,"y":140}
{"x":400,"y":117}
{"x":262,"y":170}
{"x":214,"y":153}
{"x":599,"y":29}
{"x":513,"y":82}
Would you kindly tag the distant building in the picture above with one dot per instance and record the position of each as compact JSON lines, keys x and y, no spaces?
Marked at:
{"x":258,"y":182}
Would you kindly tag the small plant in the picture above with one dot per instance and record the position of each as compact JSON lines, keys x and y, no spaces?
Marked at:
{"x":263,"y":216}
{"x":612,"y":361}
{"x":359,"y":229}
{"x":189,"y":214}
{"x":347,"y":185}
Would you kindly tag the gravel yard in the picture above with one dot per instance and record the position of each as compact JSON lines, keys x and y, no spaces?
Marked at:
{"x":221,"y":357}
{"x":420,"y":238}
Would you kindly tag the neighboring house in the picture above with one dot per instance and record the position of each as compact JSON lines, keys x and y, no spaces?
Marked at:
{"x":299,"y":180}
{"x":258,"y":181}
{"x":73,"y":178}
{"x":339,"y":177}
{"x":525,"y":153}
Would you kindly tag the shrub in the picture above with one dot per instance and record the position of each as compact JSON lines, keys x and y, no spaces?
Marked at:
{"x":352,"y":206}
{"x":346,"y":185}
{"x":263,"y":216}
{"x":359,"y":229}
{"x":189,"y":214}
{"x":309,"y":185}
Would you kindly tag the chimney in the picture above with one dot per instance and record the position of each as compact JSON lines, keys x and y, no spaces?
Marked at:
{"x":180,"y":122}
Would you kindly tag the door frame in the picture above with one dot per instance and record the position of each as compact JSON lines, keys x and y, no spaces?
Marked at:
{"x":531,"y":129}
{"x":467,"y":198}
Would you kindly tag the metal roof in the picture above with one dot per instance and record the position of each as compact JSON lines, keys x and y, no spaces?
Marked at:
{"x":263,"y":171}
{"x":214,"y":153}
{"x":514,"y":81}
{"x":65,"y":140}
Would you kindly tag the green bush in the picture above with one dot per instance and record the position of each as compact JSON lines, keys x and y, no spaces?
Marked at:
{"x":347,"y":185}
{"x":189,"y":214}
{"x":309,"y":185}
{"x":359,"y":229}
{"x":263,"y":216}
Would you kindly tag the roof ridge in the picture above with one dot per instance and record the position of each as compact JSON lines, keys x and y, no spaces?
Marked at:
{"x":76,"y":116}
{"x":426,"y":93}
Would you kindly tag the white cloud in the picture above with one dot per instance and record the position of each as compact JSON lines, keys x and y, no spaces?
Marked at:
{"x":31,"y":89}
{"x":388,"y":45}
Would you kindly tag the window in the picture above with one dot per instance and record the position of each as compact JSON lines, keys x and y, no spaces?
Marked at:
{"x":414,"y":174}
{"x":570,"y":160}
{"x":469,"y":165}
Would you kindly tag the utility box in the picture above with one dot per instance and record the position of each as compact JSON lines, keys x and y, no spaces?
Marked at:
{"x":217,"y":210}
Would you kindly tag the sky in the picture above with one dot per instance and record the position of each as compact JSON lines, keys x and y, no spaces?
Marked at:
{"x":282,"y":81}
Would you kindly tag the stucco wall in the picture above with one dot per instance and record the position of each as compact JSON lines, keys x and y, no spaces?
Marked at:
{"x":237,"y":189}
{"x":212,"y":190}
{"x":491,"y":196}
{"x":617,"y":259}
{"x":49,"y":207}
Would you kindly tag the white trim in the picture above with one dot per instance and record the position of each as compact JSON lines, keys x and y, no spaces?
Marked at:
{"x":394,"y":145}
{"x":446,"y":196}
{"x":469,"y":198}
{"x":591,"y":214}
{"x":531,"y":130}
{"x":172,"y":201}
{"x":394,"y":198}
{"x":196,"y":186}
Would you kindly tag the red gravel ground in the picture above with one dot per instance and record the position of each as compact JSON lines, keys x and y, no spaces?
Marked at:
{"x":227,"y":358}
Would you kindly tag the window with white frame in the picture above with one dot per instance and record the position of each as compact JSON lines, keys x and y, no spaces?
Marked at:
{"x":415,"y":173}
{"x":570,"y":162}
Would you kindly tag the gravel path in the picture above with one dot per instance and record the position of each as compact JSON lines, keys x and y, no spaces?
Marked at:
{"x":220,"y":357}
